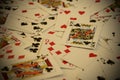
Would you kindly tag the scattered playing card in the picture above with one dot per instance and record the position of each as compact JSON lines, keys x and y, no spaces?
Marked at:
{"x":82,"y":35}
{"x":83,"y":56}
{"x":59,"y":39}
{"x":41,"y":68}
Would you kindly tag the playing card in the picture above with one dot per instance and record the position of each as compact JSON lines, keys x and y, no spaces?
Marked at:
{"x":11,"y":47}
{"x":112,"y":71}
{"x":82,"y":35}
{"x":22,"y":24}
{"x":52,"y":7}
{"x":98,"y":18}
{"x":41,"y":68}
{"x":15,"y":46}
{"x":96,"y":75}
{"x":109,"y":52}
{"x":100,"y":4}
{"x":8,"y":38}
{"x":111,"y":9}
{"x":67,"y":75}
{"x":31,"y":13}
{"x":108,"y":63}
{"x":35,"y":41}
{"x":69,"y":3}
{"x":81,"y":57}
{"x":113,"y":32}
{"x":70,"y":14}
{"x":11,"y":56}
{"x":105,"y":14}
{"x":62,"y":19}
{"x":48,"y":22}
{"x":57,"y":50}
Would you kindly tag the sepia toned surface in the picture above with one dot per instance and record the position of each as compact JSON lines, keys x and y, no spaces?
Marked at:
{"x":59,"y":39}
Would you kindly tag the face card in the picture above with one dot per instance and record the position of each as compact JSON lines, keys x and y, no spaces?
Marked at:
{"x":52,"y":7}
{"x":82,"y":35}
{"x":7,"y":38}
{"x":49,"y":6}
{"x":70,"y":3}
{"x":41,"y":68}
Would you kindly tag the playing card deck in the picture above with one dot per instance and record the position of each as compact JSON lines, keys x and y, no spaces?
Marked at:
{"x":59,"y":39}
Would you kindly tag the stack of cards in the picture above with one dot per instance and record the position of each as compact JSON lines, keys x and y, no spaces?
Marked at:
{"x":59,"y":39}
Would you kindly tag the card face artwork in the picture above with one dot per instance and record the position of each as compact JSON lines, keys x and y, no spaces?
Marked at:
{"x":49,"y":6}
{"x":43,"y":67}
{"x":54,"y":5}
{"x":7,"y":39}
{"x":81,"y":35}
{"x":48,"y":3}
{"x":41,"y":38}
{"x":3,"y":43}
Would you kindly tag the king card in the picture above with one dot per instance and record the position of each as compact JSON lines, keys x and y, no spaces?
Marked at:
{"x":82,"y":35}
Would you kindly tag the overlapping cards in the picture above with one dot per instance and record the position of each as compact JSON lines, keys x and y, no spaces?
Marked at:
{"x":59,"y":39}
